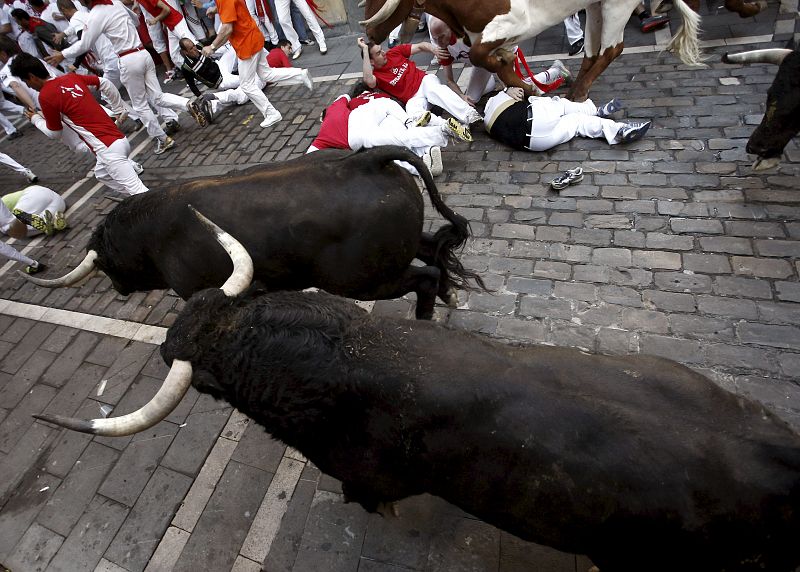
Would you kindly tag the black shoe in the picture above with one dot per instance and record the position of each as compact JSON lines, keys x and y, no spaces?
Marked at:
{"x":15,"y":135}
{"x":308,"y":42}
{"x":35,"y":269}
{"x":576,"y":47}
{"x":269,"y":46}
{"x":171,"y":127}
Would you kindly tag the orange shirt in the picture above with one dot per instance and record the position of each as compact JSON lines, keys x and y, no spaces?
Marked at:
{"x":246,"y":39}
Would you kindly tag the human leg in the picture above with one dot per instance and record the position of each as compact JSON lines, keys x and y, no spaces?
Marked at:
{"x":180,"y":31}
{"x":285,"y":18}
{"x":118,"y":166}
{"x":10,"y":162}
{"x":10,"y":252}
{"x":132,"y":73}
{"x":313,"y":24}
{"x":7,"y":126}
{"x":437,"y":94}
{"x":480,"y":82}
{"x":250,"y":71}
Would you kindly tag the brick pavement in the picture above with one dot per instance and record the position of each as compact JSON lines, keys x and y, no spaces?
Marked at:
{"x":670,"y":246}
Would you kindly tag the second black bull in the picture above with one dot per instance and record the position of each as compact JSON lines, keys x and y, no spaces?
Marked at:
{"x":349,"y":223}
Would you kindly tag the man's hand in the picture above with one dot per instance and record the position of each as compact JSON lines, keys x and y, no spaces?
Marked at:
{"x":29,"y":113}
{"x":58,"y":37}
{"x":151,"y":21}
{"x":361,"y":43}
{"x":441,"y":53}
{"x":54,"y":59}
{"x":515,"y":93}
{"x":207,"y":51}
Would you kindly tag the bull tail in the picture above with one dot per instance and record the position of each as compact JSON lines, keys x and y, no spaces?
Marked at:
{"x":686,"y":43}
{"x":450,"y":237}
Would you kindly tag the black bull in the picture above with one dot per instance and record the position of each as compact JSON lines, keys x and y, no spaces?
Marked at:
{"x":638,"y":462}
{"x":349,"y":223}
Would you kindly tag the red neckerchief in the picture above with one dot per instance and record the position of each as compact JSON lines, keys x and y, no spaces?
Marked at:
{"x":316,"y":9}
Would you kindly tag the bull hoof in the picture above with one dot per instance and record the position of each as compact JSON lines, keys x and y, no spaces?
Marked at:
{"x":388,"y":509}
{"x":451,"y":298}
{"x":749,"y":9}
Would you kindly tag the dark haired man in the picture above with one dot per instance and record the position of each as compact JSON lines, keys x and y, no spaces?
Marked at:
{"x":67,"y":102}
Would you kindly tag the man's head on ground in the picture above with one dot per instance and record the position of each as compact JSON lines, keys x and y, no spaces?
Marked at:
{"x":30,"y":70}
{"x":359,"y":88}
{"x":8,"y":48}
{"x":22,"y":18}
{"x":286,"y":46}
{"x":440,"y":32}
{"x":67,"y":8}
{"x":377,"y":56}
{"x":188,"y":48}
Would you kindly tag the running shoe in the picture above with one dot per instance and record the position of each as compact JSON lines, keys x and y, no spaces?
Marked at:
{"x":195,"y":107}
{"x":59,"y":221}
{"x":633,"y":131}
{"x":423,"y":119}
{"x":563,"y":72}
{"x":165,"y":145}
{"x":42,"y":223}
{"x":35,"y":269}
{"x":654,"y":22}
{"x":457,"y":130}
{"x":31,"y":176}
{"x":608,"y":109}
{"x":171,"y":127}
{"x":436,"y":166}
{"x":569,"y":177}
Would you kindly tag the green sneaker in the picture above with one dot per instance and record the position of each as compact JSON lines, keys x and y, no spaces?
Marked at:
{"x":35,"y":269}
{"x":423,"y":119}
{"x":59,"y":221}
{"x":43,"y":224}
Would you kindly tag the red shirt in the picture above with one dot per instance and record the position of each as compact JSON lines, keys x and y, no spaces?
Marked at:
{"x":399,"y":77}
{"x":365,"y":97}
{"x":277,"y":58}
{"x":67,"y":100}
{"x":152,"y":8}
{"x":333,"y":133}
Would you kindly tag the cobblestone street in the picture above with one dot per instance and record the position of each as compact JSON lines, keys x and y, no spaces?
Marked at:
{"x":671,"y":246}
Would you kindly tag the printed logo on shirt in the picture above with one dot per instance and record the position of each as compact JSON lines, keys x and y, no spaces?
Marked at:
{"x":398,"y":73}
{"x":75,"y":92}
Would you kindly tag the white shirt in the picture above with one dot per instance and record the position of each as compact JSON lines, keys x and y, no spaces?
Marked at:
{"x":115,"y":22}
{"x":102,"y":46}
{"x":49,"y":15}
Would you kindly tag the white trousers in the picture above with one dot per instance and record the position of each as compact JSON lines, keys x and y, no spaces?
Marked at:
{"x":235,"y":95}
{"x":285,"y":18}
{"x":10,"y":162}
{"x":10,"y":252}
{"x":432,"y":92}
{"x":115,"y":170}
{"x":557,"y":120}
{"x":138,"y":75}
{"x":8,"y":107}
{"x":255,"y":73}
{"x":383,"y":122}
{"x":481,"y":82}
{"x":35,"y":199}
{"x":572,"y":24}
{"x":263,"y":24}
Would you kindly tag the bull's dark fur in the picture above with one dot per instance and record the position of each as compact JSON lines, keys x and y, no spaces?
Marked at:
{"x":350,"y":223}
{"x":781,"y":121}
{"x":638,"y":462}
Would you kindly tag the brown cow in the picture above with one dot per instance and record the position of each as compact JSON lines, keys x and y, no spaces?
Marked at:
{"x":494,"y":27}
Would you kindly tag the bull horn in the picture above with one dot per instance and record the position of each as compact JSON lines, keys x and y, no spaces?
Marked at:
{"x":242,"y":263}
{"x":84,"y":270}
{"x":383,"y":14}
{"x":164,"y":401}
{"x":768,"y":56}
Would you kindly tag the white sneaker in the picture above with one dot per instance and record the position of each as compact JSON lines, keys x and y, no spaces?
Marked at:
{"x":296,"y":54}
{"x":165,"y":145}
{"x":426,"y":158}
{"x":473,"y":117}
{"x":323,"y":49}
{"x":30,"y":175}
{"x":562,"y":70}
{"x":137,"y":167}
{"x":271,"y":118}
{"x":436,"y":166}
{"x":308,"y":81}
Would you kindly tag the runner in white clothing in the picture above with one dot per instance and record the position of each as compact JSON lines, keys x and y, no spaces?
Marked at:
{"x":137,"y":70}
{"x":10,"y":162}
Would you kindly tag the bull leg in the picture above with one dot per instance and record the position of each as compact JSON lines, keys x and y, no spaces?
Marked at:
{"x":501,"y":63}
{"x":422,"y":280}
{"x":370,"y":500}
{"x":427,"y":254}
{"x":744,"y":9}
{"x":591,"y":68}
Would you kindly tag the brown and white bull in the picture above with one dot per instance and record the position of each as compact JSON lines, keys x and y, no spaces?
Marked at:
{"x":781,"y":120}
{"x":638,"y":462}
{"x":494,"y":27}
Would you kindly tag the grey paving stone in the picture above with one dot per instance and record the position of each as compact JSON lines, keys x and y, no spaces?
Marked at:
{"x":16,"y":330}
{"x":761,"y":267}
{"x":231,"y":508}
{"x":463,"y":544}
{"x":82,"y":383}
{"x":76,"y":492}
{"x":286,"y":544}
{"x":124,"y":370}
{"x":732,"y":307}
{"x":706,"y":263}
{"x":194,"y":440}
{"x":25,"y":347}
{"x":788,"y":291}
{"x":661,"y":241}
{"x":84,"y":547}
{"x":137,"y":463}
{"x":34,"y":550}
{"x":777,"y":336}
{"x":258,"y":449}
{"x":25,"y":377}
{"x":20,"y":420}
{"x":554,"y":270}
{"x":688,"y":350}
{"x":59,"y":339}
{"x":679,"y":282}
{"x":20,"y":511}
{"x":147,"y":521}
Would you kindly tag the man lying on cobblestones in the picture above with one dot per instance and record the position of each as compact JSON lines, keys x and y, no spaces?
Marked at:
{"x":31,"y":211}
{"x":541,"y":123}
{"x":67,"y":100}
{"x":371,"y":118}
{"x":393,"y":72}
{"x":218,"y":74}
